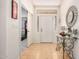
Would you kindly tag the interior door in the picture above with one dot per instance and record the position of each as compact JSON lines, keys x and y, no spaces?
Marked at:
{"x":47,"y":28}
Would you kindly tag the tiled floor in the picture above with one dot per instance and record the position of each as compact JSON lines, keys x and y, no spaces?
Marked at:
{"x":42,"y":51}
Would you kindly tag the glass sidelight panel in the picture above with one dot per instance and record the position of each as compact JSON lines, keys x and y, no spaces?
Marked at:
{"x":37,"y":23}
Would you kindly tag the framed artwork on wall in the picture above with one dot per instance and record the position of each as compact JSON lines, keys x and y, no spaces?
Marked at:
{"x":14,"y":12}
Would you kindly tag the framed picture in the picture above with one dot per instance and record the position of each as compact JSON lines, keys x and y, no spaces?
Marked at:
{"x":14,"y":11}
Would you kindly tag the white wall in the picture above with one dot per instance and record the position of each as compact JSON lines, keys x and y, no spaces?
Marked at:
{"x":10,"y":29}
{"x":3,"y":29}
{"x":13,"y":29}
{"x":64,"y":7}
{"x":9,"y":32}
{"x":28,"y":5}
{"x":29,"y":29}
{"x":46,"y":2}
{"x":13,"y":32}
{"x":24,"y":12}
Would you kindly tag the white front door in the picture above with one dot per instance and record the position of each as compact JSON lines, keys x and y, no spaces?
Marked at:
{"x":47,"y":28}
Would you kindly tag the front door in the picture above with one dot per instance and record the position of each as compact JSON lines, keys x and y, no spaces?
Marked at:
{"x":47,"y":28}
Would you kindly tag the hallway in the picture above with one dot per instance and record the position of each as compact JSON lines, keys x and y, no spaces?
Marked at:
{"x":24,"y":24}
{"x":42,"y":51}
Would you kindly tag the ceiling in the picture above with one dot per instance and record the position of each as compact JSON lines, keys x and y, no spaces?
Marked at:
{"x":47,"y":2}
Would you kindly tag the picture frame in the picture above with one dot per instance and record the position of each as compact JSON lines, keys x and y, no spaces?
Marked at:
{"x":14,"y":11}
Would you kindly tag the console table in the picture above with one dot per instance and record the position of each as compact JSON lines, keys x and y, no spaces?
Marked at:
{"x":67,"y":42}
